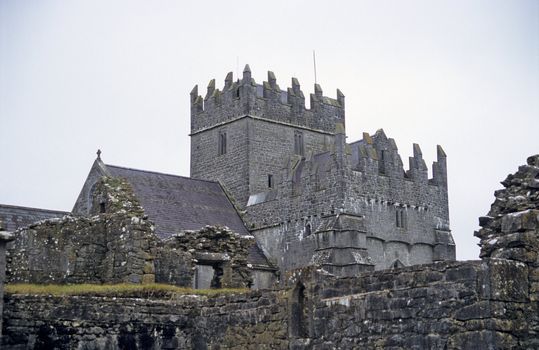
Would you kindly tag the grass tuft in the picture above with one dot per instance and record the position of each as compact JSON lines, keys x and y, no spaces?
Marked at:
{"x":121,"y":290}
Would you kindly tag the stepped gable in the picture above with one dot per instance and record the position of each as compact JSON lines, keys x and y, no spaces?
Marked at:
{"x":15,"y":217}
{"x":177,"y":203}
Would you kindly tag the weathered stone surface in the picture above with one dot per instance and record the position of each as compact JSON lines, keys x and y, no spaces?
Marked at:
{"x":115,"y":246}
{"x":188,"y":322}
{"x":225,"y":251}
{"x":289,"y":170}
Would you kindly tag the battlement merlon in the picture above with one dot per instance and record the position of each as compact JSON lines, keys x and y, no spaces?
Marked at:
{"x":379,"y":155}
{"x":244,"y":97}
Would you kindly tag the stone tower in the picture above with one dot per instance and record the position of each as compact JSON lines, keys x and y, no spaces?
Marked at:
{"x":242,"y":135}
{"x":307,"y":195}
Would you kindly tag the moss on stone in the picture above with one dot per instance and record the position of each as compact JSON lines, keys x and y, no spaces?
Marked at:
{"x":121,"y":290}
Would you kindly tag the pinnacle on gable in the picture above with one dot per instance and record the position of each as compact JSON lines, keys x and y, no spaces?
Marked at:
{"x":247,"y":69}
{"x":381,"y":133}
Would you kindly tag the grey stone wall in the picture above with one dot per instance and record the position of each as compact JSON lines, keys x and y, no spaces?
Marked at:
{"x":231,"y":168}
{"x":446,"y":305}
{"x":364,"y":178}
{"x":248,"y":321}
{"x":267,"y":100}
{"x":223,"y":253}
{"x":336,"y":182}
{"x":115,"y":246}
{"x":83,"y":250}
{"x":5,"y":237}
{"x":487,"y":304}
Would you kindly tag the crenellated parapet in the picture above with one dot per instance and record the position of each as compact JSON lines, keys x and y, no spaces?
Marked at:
{"x":378,"y":155}
{"x":244,"y":97}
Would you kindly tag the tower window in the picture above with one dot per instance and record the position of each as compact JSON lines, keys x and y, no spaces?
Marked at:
{"x":308,"y":230}
{"x":400,"y":216}
{"x":270,"y":181}
{"x":298,"y":143}
{"x":382,"y":162}
{"x":222,"y":143}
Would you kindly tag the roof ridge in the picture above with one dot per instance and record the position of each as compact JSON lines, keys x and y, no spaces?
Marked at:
{"x":159,"y":173}
{"x":34,"y":208}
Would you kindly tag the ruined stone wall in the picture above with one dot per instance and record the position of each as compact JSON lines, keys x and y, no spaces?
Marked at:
{"x":249,"y":321}
{"x":107,"y":248}
{"x":446,"y":305}
{"x":217,"y":247}
{"x":5,"y":237}
{"x":117,"y":245}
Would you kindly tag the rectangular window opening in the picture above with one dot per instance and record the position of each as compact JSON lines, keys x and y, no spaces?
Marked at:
{"x":221,"y":146}
{"x":298,"y":143}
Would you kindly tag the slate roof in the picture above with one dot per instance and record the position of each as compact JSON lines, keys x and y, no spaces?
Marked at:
{"x":15,"y":217}
{"x":176,"y":203}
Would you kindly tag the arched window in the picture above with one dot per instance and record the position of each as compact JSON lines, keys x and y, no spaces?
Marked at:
{"x":400,"y":217}
{"x":308,"y":230}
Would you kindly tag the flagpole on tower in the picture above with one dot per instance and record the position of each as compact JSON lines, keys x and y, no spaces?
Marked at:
{"x":314,"y":63}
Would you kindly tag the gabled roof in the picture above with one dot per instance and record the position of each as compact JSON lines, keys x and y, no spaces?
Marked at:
{"x":14,"y":217}
{"x":176,"y":203}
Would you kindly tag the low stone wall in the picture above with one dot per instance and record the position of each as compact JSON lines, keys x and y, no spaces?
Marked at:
{"x":446,"y":305}
{"x":251,"y":321}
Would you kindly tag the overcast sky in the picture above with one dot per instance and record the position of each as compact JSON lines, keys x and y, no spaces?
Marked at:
{"x":76,"y":76}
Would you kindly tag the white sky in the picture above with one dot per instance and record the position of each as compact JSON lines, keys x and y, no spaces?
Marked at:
{"x":80,"y":75}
